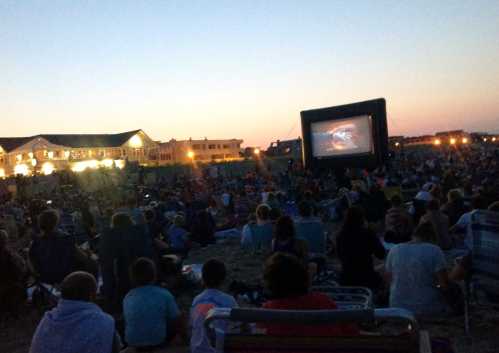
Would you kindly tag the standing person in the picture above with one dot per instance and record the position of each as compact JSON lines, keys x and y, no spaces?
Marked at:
{"x":152,"y":318}
{"x":213,"y":274}
{"x":356,"y":245}
{"x":413,"y":269}
{"x":76,"y":325}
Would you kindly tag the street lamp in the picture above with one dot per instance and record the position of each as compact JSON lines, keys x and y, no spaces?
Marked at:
{"x":452,"y":141}
{"x":256,"y":151}
{"x":465,"y":140}
{"x":437,"y":142}
{"x":190,"y":155}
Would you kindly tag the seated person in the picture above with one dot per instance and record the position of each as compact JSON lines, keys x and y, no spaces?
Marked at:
{"x":213,"y":274}
{"x":413,"y":269}
{"x":151,"y":315}
{"x":53,"y":255}
{"x":454,"y":208}
{"x":398,"y":222}
{"x":203,"y":228}
{"x":288,"y":286}
{"x":285,"y":239}
{"x":440,"y":222}
{"x":356,"y":246}
{"x":76,"y":325}
{"x":13,"y":278}
{"x":464,"y":222}
{"x":311,"y":229}
{"x":178,"y":237}
{"x":259,"y":233}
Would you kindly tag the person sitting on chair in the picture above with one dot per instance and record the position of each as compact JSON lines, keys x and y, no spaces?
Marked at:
{"x":213,"y":274}
{"x":287,"y":284}
{"x":413,"y":268}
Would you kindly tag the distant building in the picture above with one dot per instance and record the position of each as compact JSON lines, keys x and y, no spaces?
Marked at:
{"x":286,"y":148}
{"x":186,"y":151}
{"x":419,"y":140}
{"x":46,"y":153}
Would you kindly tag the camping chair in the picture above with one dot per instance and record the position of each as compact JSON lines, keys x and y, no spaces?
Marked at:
{"x":412,"y":341}
{"x":43,"y":296}
{"x":484,"y":269}
{"x":348,"y":298}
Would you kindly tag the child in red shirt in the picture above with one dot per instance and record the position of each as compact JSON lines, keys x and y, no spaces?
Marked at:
{"x":286,"y":280}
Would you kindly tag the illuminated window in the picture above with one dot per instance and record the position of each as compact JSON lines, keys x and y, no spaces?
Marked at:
{"x":19,"y":158}
{"x":136,"y":141}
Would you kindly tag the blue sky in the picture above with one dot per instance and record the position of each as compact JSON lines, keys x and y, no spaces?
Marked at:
{"x":244,"y":68}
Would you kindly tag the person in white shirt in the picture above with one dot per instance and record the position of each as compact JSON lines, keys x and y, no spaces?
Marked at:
{"x":213,"y":274}
{"x":464,"y":222}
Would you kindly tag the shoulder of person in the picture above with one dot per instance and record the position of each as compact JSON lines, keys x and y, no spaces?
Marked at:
{"x":323,"y":299}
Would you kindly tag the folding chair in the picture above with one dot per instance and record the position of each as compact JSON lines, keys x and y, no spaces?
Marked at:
{"x":348,"y":298}
{"x":413,"y":341}
{"x":484,"y":270}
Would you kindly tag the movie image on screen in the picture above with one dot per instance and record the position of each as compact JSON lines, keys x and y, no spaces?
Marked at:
{"x":342,"y":137}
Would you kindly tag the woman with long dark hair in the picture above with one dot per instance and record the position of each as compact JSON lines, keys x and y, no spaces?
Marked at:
{"x":356,"y":245}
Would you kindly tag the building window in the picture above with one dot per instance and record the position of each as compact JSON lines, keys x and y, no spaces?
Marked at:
{"x":226,"y":147}
{"x":196,"y":147}
{"x":212,"y":147}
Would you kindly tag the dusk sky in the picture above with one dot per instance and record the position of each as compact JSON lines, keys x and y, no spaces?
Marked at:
{"x":244,"y":69}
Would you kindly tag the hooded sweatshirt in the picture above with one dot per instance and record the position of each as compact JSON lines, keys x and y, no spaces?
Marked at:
{"x":74,"y":327}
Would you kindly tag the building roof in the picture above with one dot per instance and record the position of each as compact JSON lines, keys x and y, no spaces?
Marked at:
{"x":72,"y":140}
{"x":11,"y":143}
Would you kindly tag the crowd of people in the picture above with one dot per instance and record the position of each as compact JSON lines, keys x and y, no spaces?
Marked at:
{"x":109,"y":251}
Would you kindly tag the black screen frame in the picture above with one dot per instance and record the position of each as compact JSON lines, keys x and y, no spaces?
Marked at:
{"x":375,"y":108}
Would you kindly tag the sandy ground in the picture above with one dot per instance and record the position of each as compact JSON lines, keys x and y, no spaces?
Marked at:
{"x":15,"y":335}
